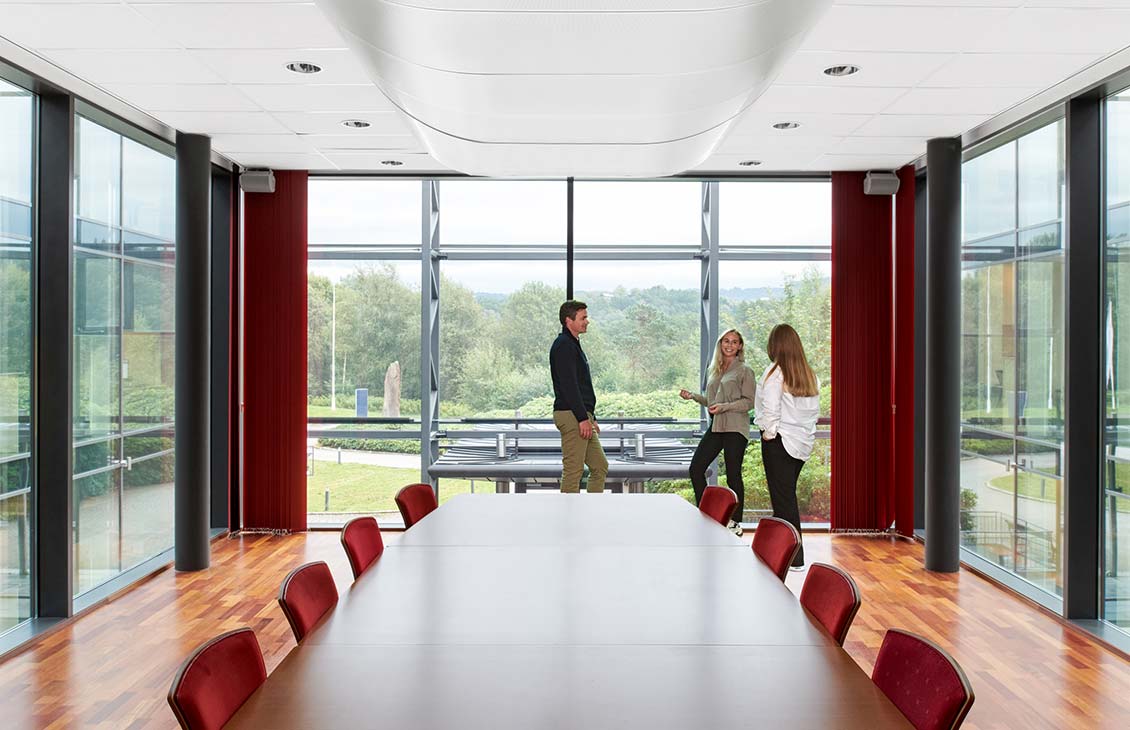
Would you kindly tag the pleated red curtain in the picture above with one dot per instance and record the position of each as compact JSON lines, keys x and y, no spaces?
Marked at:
{"x":274,"y":356}
{"x":862,"y":339}
{"x":903,"y":373}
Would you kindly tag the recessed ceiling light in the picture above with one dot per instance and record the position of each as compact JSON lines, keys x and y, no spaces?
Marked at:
{"x":750,"y":163}
{"x":786,"y":125}
{"x":392,"y":163}
{"x":355,"y":123}
{"x":845,"y":70}
{"x":302,"y":67}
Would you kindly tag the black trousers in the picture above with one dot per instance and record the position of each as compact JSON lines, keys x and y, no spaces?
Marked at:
{"x":708,"y":449}
{"x":781,"y":473}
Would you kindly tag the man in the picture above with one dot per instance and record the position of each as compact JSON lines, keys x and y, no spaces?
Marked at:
{"x":574,"y":403}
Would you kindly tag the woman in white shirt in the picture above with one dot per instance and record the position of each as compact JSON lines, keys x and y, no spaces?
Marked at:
{"x":787,"y":406}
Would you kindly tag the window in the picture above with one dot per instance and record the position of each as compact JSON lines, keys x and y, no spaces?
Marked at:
{"x":1012,"y":485}
{"x":124,"y":294}
{"x":16,"y":308}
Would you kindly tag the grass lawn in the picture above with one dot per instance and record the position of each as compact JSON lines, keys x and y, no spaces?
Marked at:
{"x":366,"y":487}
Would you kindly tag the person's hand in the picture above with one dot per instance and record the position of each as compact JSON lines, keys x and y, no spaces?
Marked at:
{"x":595,"y":425}
{"x":714,"y":409}
{"x":685,"y":394}
{"x":586,"y":429}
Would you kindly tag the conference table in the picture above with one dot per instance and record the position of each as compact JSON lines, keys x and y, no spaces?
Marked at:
{"x":508,"y":612}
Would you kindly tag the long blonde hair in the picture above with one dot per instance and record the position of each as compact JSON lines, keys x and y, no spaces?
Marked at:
{"x":716,"y":365}
{"x":787,"y":353}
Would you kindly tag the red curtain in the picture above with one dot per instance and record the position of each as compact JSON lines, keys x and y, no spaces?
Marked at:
{"x":862,"y":491}
{"x":274,"y":356}
{"x":902,"y":443}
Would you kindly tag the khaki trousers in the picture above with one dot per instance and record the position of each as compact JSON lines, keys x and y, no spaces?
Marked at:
{"x":576,"y":452}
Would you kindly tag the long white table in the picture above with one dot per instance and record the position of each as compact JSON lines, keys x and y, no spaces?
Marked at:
{"x":568,"y":611}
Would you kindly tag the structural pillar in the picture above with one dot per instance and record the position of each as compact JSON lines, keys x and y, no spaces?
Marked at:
{"x":193,"y":329}
{"x":943,"y":355}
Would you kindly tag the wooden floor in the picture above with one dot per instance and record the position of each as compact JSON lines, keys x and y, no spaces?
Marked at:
{"x":111,"y":668}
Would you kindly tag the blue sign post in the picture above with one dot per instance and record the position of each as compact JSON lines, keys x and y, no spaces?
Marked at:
{"x":362,"y":400}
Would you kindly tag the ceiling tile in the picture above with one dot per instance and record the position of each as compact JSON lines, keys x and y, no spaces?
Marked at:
{"x":757,"y":123}
{"x":223,"y":122}
{"x":900,"y":28}
{"x":183,"y":97}
{"x":876,"y":69}
{"x":1009,"y":69}
{"x":353,"y":143}
{"x":776,"y":161}
{"x":80,"y":26}
{"x":959,"y":101}
{"x":881,"y":146}
{"x":370,"y":162}
{"x":281,"y":161}
{"x":132,"y":66}
{"x":253,"y":25}
{"x":754,"y":145}
{"x":916,"y":125}
{"x":818,"y":99}
{"x":268,"y":66}
{"x":262,"y":143}
{"x":383,"y":123}
{"x":860,"y":162}
{"x":346,"y":99}
{"x":1058,"y":30}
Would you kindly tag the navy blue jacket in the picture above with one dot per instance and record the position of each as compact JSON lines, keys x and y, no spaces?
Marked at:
{"x":572,"y":381}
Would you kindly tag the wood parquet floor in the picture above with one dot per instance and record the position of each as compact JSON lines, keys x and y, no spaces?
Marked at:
{"x":111,"y":668}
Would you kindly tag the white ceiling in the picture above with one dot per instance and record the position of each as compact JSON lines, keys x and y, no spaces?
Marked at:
{"x":929,"y":68}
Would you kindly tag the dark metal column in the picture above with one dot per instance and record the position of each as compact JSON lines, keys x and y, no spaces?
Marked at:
{"x":220,"y":353}
{"x":1083,"y":348}
{"x":54,"y":541}
{"x":194,"y":221}
{"x":943,"y":352}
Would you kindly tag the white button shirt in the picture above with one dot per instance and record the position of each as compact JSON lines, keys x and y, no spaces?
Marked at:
{"x":780,"y":412}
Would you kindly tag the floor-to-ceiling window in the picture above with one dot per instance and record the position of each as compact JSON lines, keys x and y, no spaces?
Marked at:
{"x":1012,"y":485}
{"x":1116,"y":486}
{"x":124,"y":311}
{"x":16,"y":272}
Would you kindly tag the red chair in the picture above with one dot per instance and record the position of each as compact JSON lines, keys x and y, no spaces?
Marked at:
{"x":776,"y":542}
{"x":362,"y":541}
{"x":718,"y":503}
{"x":306,"y":595}
{"x":415,"y":502}
{"x":216,"y":680}
{"x":923,"y":681}
{"x":833,"y":599}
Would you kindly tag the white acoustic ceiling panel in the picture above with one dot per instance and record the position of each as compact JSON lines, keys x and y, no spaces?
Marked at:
{"x":555,"y":88}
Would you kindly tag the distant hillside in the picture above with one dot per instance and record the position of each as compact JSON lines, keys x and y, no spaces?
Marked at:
{"x":750,"y":294}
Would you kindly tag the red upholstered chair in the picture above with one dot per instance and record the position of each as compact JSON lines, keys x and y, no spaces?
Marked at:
{"x":923,"y":681}
{"x":216,"y":680}
{"x":362,"y":541}
{"x":776,"y":542}
{"x":832,"y":598}
{"x":415,"y":502}
{"x":718,"y":503}
{"x":306,"y":595}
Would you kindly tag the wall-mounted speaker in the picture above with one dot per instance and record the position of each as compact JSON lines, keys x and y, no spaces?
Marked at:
{"x":257,"y":181}
{"x":880,"y":183}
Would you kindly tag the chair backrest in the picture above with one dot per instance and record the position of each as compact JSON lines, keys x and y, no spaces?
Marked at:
{"x":833,"y":599}
{"x":415,"y":502}
{"x":776,"y":542}
{"x":362,"y":541}
{"x":923,"y":681}
{"x":718,"y":503}
{"x":306,"y":594}
{"x":216,"y":679}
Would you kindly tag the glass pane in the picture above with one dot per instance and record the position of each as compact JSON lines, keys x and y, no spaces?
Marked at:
{"x":148,"y":201}
{"x":364,"y":212}
{"x":98,"y":365}
{"x":775,"y":214}
{"x":1116,"y":544}
{"x":1118,"y":149}
{"x":363,"y":328}
{"x":1039,"y":530}
{"x":15,"y":162}
{"x":510,"y":213}
{"x":988,"y":351}
{"x":15,"y":552}
{"x":988,"y":193}
{"x":147,"y":496}
{"x":637,"y":213}
{"x":987,"y":504}
{"x":148,"y":345}
{"x":1040,"y":175}
{"x":97,"y":529}
{"x":498,"y":321}
{"x":97,"y":185}
{"x":1039,"y":342}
